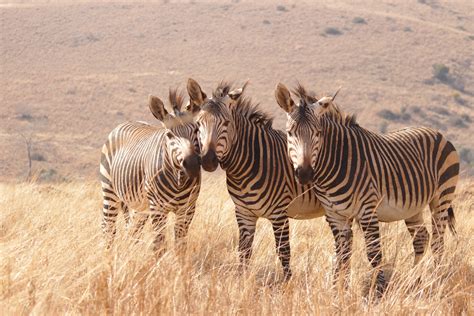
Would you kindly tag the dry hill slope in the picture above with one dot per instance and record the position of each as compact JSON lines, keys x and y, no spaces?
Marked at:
{"x":70,"y":72}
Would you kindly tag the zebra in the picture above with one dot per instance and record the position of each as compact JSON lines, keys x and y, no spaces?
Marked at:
{"x":236,"y":135}
{"x":153,"y":170}
{"x":369,"y":177}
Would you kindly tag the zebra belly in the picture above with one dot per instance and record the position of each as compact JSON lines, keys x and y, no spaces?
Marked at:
{"x":301,"y":209}
{"x":390,"y":212}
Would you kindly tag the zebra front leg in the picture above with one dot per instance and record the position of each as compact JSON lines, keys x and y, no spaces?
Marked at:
{"x":342,"y":232}
{"x":370,"y":225}
{"x":181,"y":226}
{"x":247,"y":222}
{"x":281,"y":229}
{"x":419,"y":234}
{"x":158,"y":220}
{"x":137,"y":224}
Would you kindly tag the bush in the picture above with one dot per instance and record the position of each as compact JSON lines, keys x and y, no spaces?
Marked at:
{"x":388,"y":115}
{"x":466,"y":155}
{"x":37,"y":157}
{"x":359,"y":20}
{"x":281,"y":8}
{"x":440,"y":72}
{"x":332,"y":31}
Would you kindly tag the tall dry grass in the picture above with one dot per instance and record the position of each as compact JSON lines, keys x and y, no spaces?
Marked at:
{"x":52,"y":262}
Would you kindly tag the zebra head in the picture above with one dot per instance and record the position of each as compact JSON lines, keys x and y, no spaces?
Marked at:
{"x":303,"y":130}
{"x":214,"y":119}
{"x":182,"y":140}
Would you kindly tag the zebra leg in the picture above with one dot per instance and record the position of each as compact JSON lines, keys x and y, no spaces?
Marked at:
{"x":137,"y":224}
{"x":439,"y":221}
{"x":126,"y":214}
{"x":281,"y":229}
{"x":247,"y":222}
{"x":158,"y":220}
{"x":370,"y":225}
{"x":342,"y":232}
{"x":419,"y":234}
{"x":110,"y":210}
{"x":181,"y":226}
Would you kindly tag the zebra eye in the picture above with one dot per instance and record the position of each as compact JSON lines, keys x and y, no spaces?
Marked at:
{"x":226,"y":123}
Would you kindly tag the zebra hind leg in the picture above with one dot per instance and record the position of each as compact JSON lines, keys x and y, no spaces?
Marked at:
{"x":419,"y":234}
{"x":281,"y":229}
{"x":440,"y":216}
{"x":110,"y":211}
{"x":247,"y":223}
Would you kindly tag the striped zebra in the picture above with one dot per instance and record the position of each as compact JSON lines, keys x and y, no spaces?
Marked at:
{"x":152,"y":170}
{"x":236,"y":135}
{"x":370,"y":177}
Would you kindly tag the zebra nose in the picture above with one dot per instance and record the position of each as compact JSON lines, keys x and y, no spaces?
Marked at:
{"x":304,"y":175}
{"x":209,"y":161}
{"x":192,"y":166}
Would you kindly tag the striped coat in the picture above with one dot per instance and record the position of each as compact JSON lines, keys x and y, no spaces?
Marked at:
{"x":369,"y":177}
{"x":236,"y":135}
{"x":152,"y":170}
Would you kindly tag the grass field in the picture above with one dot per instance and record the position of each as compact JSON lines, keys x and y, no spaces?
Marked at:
{"x":52,"y":262}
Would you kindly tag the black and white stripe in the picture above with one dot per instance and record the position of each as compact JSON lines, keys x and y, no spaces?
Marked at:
{"x":368,"y":177}
{"x":237,"y":136}
{"x":152,"y":170}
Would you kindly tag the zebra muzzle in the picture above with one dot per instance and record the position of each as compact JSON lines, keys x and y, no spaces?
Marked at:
{"x":210,"y":161}
{"x":304,"y":175}
{"x":192,"y":166}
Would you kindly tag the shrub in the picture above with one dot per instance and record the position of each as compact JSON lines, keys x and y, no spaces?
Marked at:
{"x":388,"y":115}
{"x":281,"y":8}
{"x":466,"y":155}
{"x":37,"y":157}
{"x":359,"y":20}
{"x":332,"y":31}
{"x":440,"y":72}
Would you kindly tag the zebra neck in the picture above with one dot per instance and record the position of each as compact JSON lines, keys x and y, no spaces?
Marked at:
{"x":242,"y":150}
{"x":332,"y":157}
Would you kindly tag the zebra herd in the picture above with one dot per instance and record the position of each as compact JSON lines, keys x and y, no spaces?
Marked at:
{"x":326,"y":164}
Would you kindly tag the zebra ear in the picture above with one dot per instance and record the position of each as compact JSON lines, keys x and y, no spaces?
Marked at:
{"x":196,"y":96}
{"x":237,"y":93}
{"x":283,"y":98}
{"x":324,"y":102}
{"x":157,"y":107}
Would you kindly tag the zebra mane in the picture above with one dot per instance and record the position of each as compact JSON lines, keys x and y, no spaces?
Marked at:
{"x":335,"y":114}
{"x":222,"y":89}
{"x":176,"y":100}
{"x":247,"y":109}
{"x":306,"y":97}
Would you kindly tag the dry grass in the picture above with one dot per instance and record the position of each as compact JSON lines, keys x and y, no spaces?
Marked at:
{"x":52,"y":262}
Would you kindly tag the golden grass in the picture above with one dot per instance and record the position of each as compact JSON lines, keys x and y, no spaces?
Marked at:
{"x":52,"y":262}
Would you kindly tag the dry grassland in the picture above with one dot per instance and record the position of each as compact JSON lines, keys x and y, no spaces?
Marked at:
{"x":52,"y":262}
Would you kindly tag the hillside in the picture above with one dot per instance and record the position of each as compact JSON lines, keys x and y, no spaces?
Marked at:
{"x":71,"y":71}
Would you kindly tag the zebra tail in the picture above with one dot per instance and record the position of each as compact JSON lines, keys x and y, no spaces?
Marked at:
{"x":452,"y":221}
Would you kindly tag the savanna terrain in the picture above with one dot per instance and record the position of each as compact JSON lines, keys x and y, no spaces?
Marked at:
{"x":72,"y":70}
